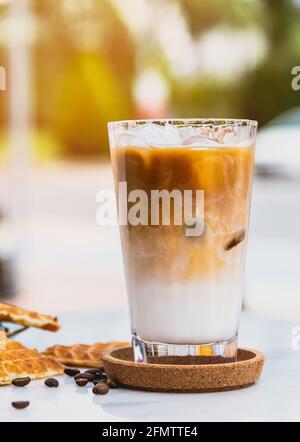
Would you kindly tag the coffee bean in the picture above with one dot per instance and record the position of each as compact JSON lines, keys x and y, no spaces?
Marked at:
{"x":72,"y":372}
{"x":20,"y":405}
{"x":96,"y":373}
{"x":51,"y":383}
{"x":99,"y":381}
{"x":90,"y":377}
{"x":112,"y":384}
{"x":101,"y":388}
{"x":101,"y":378}
{"x":21,"y":382}
{"x":81,"y":382}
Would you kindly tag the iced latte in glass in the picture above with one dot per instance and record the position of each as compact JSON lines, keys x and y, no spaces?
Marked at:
{"x":185,"y":262}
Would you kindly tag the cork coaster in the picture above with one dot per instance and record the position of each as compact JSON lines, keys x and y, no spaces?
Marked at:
{"x":188,"y":378}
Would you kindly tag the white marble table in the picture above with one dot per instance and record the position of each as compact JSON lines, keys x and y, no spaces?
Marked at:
{"x":275,"y":398}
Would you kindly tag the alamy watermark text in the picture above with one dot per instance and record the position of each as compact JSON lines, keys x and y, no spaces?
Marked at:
{"x":296,"y":79}
{"x":155,"y":208}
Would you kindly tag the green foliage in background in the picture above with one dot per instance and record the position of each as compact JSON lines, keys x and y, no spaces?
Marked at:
{"x":86,"y":58}
{"x":264,"y":92}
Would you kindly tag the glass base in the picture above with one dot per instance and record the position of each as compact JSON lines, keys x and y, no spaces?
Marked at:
{"x":163,"y":353}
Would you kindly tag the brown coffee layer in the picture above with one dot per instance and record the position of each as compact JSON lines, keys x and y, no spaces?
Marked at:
{"x":165,"y":252}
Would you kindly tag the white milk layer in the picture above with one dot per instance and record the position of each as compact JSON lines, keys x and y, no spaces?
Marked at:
{"x":200,"y":312}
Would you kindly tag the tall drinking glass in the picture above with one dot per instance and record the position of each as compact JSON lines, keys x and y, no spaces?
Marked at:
{"x":183,"y":191}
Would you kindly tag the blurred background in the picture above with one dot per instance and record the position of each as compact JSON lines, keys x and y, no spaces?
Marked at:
{"x":72,"y":66}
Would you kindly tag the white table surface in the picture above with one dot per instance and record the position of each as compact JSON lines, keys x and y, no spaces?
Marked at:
{"x":275,"y":398}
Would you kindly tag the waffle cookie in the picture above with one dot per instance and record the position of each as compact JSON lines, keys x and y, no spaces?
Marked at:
{"x":82,"y":355}
{"x":17,"y":361}
{"x":17,"y":315}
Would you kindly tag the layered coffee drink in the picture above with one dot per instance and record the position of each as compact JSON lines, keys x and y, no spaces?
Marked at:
{"x":185,"y":276}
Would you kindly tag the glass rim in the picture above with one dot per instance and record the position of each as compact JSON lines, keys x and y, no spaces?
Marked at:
{"x":198,"y":122}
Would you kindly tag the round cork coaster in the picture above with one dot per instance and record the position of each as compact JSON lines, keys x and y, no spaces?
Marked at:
{"x":186,"y":378}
